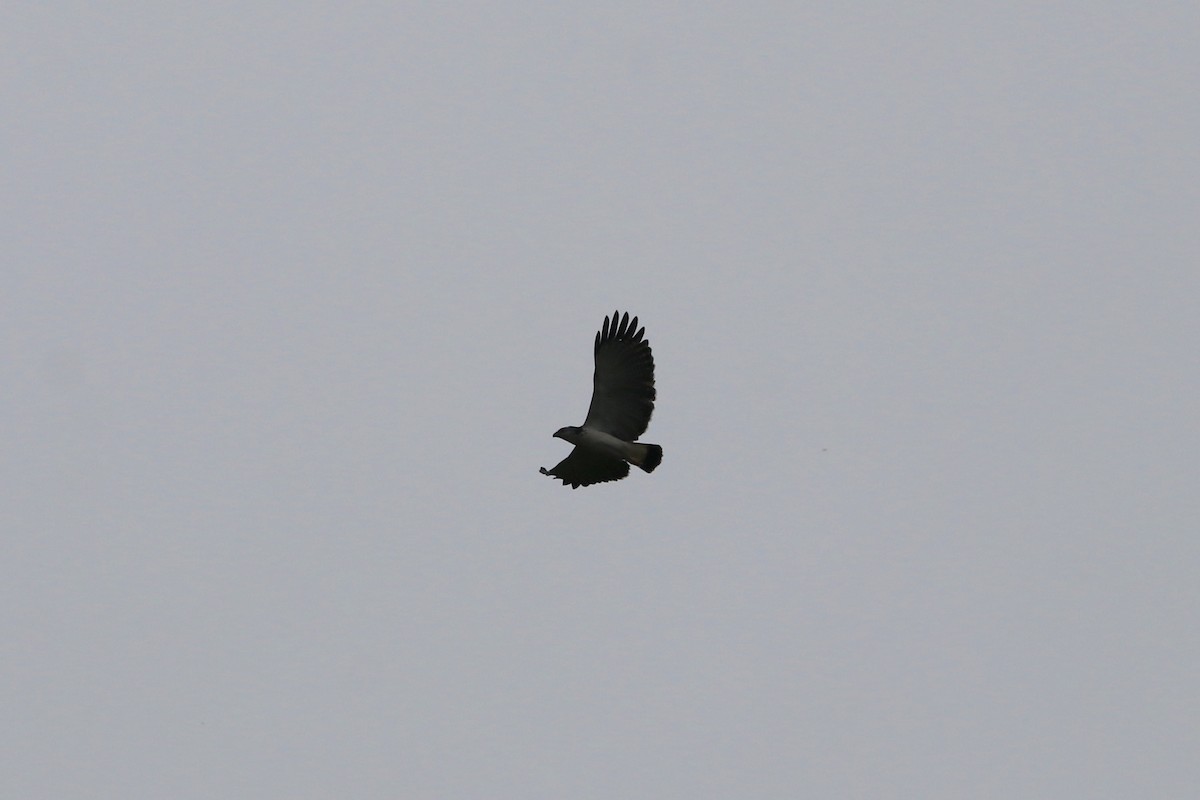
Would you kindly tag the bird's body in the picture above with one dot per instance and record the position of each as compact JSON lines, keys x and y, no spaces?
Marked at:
{"x":609,"y":445}
{"x":623,"y":397}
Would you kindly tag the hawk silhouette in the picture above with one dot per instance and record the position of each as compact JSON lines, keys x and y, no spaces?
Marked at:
{"x":622,"y":402}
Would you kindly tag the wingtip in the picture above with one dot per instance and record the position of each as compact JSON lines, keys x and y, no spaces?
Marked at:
{"x":620,"y":326}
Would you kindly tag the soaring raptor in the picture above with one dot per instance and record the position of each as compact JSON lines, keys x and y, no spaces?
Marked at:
{"x":622,"y":401}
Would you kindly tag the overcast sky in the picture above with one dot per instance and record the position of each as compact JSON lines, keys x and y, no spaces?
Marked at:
{"x":293,"y":297}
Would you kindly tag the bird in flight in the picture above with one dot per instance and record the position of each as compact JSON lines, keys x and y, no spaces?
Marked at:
{"x":622,"y":402}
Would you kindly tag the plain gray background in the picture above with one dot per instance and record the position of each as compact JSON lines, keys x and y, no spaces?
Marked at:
{"x":294,"y":295}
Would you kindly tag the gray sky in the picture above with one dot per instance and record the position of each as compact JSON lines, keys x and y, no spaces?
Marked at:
{"x":293,"y":299}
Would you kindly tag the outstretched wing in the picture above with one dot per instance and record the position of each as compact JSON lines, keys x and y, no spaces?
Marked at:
{"x":585,"y":467}
{"x":623,"y":384}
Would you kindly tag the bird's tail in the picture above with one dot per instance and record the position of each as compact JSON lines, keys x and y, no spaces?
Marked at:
{"x":648,"y":457}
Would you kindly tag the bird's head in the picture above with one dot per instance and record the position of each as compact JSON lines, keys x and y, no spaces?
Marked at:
{"x":569,"y":433}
